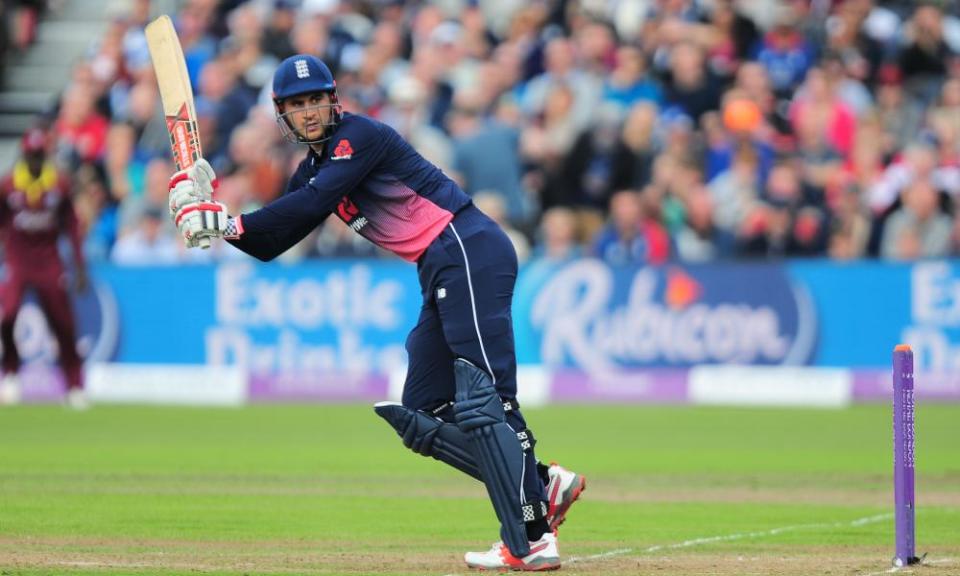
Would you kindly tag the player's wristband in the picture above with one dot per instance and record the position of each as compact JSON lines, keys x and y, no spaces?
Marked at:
{"x":234,"y":228}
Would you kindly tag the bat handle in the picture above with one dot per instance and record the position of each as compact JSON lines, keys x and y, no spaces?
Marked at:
{"x":205,"y":243}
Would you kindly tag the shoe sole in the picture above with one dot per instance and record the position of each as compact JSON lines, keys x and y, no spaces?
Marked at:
{"x":579,"y":485}
{"x":542,"y":568}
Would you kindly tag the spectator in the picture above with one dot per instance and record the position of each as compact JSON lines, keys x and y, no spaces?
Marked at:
{"x":557,"y":240}
{"x":698,"y":239}
{"x":843,"y":76}
{"x":850,"y":228}
{"x":753,"y":83}
{"x":631,"y":237}
{"x":690,"y":87}
{"x":151,"y":195}
{"x":198,"y":45}
{"x":562,"y":79}
{"x":491,"y":203}
{"x":736,"y":190}
{"x":925,"y":57}
{"x":784,"y":52}
{"x":629,"y":83}
{"x":741,"y":124}
{"x":587,"y":172}
{"x":918,"y":229}
{"x":276,"y":40}
{"x":900,"y":115}
{"x":548,"y":142}
{"x":97,"y":212}
{"x":407,"y":113}
{"x":820,"y":165}
{"x":485,"y":156}
{"x":819,"y":104}
{"x":81,"y":133}
{"x":728,"y":37}
{"x":146,"y":242}
{"x":242,"y":50}
{"x":636,"y":148}
{"x":785,"y":223}
{"x":849,"y":40}
{"x":918,"y":162}
{"x":225,"y":101}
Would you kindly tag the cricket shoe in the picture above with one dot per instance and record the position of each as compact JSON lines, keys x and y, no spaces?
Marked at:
{"x":77,"y":400}
{"x":9,"y":390}
{"x":563,"y":490}
{"x":544,"y":555}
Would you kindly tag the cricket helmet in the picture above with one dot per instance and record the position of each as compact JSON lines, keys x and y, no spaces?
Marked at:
{"x":304,"y":74}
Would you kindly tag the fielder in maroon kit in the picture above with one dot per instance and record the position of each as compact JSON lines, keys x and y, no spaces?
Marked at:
{"x":35,"y":210}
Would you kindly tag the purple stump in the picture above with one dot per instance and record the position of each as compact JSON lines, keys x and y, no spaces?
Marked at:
{"x":903,"y":489}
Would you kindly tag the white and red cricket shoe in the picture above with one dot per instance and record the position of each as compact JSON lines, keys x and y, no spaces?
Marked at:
{"x":562,"y":491}
{"x":544,"y":555}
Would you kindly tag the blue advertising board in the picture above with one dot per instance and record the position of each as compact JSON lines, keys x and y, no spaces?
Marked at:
{"x":585,"y":314}
{"x":333,"y":316}
{"x":865,"y":309}
{"x":354,"y":315}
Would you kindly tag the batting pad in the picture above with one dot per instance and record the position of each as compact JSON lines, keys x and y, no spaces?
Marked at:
{"x":479,"y":413}
{"x":430,"y":436}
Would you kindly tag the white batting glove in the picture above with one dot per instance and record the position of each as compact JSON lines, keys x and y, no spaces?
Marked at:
{"x":199,"y":220}
{"x":195,"y":184}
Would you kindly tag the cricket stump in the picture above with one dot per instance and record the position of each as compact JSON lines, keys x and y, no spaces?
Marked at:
{"x":903,"y":456}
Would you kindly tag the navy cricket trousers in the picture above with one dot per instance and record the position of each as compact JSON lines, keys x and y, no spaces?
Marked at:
{"x":467,"y":277}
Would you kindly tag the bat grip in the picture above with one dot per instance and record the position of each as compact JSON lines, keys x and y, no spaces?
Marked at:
{"x":205,"y":243}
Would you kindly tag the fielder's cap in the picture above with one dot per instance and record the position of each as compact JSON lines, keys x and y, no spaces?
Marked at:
{"x":34,"y":141}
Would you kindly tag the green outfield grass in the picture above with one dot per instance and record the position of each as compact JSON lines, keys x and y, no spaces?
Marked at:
{"x":331,"y":490}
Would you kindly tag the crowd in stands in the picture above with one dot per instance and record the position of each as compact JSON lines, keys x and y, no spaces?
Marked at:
{"x":637,"y":131}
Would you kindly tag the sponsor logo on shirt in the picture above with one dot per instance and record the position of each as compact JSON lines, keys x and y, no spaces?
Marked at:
{"x":359,"y":223}
{"x":343,"y":151}
{"x":350,"y":214}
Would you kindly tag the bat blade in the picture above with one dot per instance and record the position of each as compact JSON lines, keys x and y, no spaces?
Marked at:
{"x":176,"y":94}
{"x":175,"y":91}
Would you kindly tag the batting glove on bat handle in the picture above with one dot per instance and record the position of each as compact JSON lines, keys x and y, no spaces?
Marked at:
{"x":198,"y":222}
{"x":194,"y":184}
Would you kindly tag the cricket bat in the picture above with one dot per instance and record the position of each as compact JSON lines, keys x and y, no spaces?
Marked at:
{"x":176,"y":94}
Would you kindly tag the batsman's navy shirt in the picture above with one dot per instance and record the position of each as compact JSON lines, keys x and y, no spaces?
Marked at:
{"x":373,"y":180}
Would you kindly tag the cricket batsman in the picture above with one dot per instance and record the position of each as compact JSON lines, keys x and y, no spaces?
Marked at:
{"x":36,"y":209}
{"x":459,"y":399}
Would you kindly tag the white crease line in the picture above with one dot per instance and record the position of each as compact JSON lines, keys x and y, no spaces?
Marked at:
{"x":600,"y":556}
{"x":725,"y":538}
{"x":893,"y":570}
